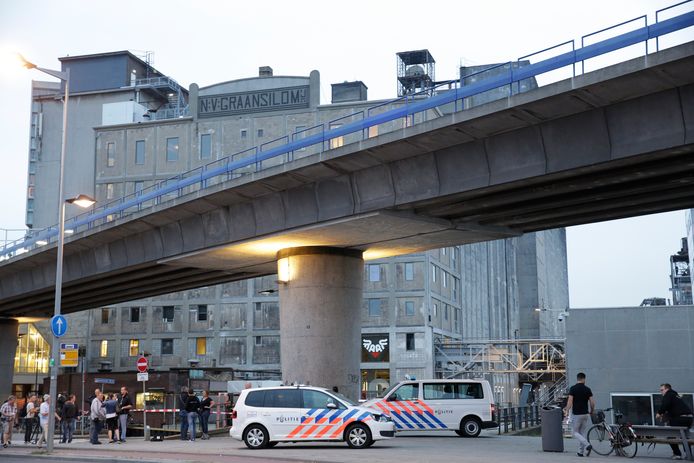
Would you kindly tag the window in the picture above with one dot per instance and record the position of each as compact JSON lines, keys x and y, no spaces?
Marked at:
{"x":299,"y":133}
{"x":409,"y":271}
{"x":103,"y":350}
{"x":283,"y":398}
{"x":437,"y":391}
{"x":167,"y":346}
{"x":443,"y":251}
{"x":444,"y":278}
{"x":337,"y":141}
{"x":373,"y":131}
{"x":409,"y":308}
{"x":202,"y":313}
{"x":258,"y":340}
{"x":139,"y":186}
{"x":205,"y":146}
{"x":255,"y":399}
{"x":134,"y":348}
{"x":110,"y":154}
{"x":168,"y":313}
{"x":260,"y":133}
{"x":374,"y":307}
{"x":104,"y":316}
{"x":200,"y":346}
{"x":140,"y":152}
{"x":109,"y":191}
{"x":407,"y":392}
{"x":30,"y":204}
{"x":409,"y":341}
{"x":317,"y":399}
{"x":445,"y":311}
{"x":172,"y":149}
{"x":374,"y":272}
{"x":433,"y":273}
{"x":134,"y":315}
{"x":436,"y":310}
{"x":244,"y":133}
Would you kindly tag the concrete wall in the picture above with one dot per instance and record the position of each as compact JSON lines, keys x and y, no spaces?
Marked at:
{"x":631,"y":349}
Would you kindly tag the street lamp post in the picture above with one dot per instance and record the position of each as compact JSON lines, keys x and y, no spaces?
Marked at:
{"x":81,"y":200}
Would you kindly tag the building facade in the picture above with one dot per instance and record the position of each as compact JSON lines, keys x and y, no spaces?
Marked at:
{"x":130,"y":133}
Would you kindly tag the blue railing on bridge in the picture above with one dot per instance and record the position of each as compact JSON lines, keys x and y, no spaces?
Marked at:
{"x":406,"y":107}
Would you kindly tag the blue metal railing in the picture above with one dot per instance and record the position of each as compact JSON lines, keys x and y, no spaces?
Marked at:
{"x":404,"y":108}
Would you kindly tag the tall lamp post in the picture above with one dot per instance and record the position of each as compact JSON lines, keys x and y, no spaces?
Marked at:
{"x":82,"y":201}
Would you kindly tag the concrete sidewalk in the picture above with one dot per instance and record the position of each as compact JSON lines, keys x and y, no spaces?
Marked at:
{"x":440,"y":447}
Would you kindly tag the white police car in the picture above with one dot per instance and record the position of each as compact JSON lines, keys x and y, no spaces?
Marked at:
{"x":265,"y":416}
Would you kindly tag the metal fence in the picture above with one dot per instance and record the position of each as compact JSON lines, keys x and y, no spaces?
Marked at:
{"x":512,"y":419}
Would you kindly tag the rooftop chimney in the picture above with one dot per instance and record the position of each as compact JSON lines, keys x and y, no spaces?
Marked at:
{"x":265,"y":71}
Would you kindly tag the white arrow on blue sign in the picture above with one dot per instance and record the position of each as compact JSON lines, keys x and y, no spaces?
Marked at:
{"x":58,"y":325}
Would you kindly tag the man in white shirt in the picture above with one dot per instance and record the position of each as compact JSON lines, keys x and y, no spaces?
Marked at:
{"x":97,"y":413}
{"x":8,"y":413}
{"x":30,"y":418}
{"x":44,"y":411}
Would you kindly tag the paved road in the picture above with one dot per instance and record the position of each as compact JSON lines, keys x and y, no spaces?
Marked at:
{"x":417,"y":447}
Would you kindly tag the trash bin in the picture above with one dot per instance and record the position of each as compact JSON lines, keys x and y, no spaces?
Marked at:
{"x":552,"y":435}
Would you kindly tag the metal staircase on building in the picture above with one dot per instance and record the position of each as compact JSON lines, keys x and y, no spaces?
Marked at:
{"x":169,"y":92}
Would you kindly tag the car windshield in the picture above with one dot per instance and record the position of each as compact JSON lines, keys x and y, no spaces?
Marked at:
{"x":385,"y":392}
{"x":341,"y":397}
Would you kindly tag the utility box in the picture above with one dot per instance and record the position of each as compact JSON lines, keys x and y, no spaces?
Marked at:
{"x":552,"y":435}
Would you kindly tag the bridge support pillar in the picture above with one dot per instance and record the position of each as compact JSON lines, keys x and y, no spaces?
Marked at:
{"x":8,"y":349}
{"x":320,"y":316}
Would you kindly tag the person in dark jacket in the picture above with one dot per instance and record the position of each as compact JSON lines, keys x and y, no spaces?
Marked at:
{"x":205,"y":409}
{"x":69,"y":414}
{"x":192,"y":408}
{"x":675,"y":412}
{"x":182,"y":400}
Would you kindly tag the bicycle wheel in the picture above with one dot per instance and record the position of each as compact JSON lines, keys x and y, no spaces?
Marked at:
{"x":627,"y":446}
{"x":599,"y":439}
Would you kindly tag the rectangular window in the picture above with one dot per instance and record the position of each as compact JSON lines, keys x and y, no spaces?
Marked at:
{"x":244,"y":133}
{"x":433,"y":273}
{"x":168,"y":313}
{"x":444,"y":278}
{"x":134,"y":348}
{"x":139,"y":186}
{"x":202,"y":313}
{"x":374,"y":272}
{"x":103,"y":350}
{"x":374,"y":307}
{"x":109,"y":191}
{"x":30,"y":204}
{"x":409,"y":341}
{"x":172,"y":149}
{"x":260,"y":133}
{"x":409,"y":271}
{"x":140,"y":152}
{"x":373,"y":131}
{"x":436,"y":310}
{"x":205,"y":146}
{"x":104,"y":316}
{"x":445,"y":311}
{"x":200,"y":346}
{"x":409,"y":308}
{"x":337,"y":141}
{"x":438,"y":391}
{"x":443,"y":251}
{"x":110,"y":154}
{"x":258,"y":340}
{"x":167,"y":346}
{"x":134,"y":315}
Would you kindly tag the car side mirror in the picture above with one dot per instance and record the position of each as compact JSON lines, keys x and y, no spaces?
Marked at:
{"x":331,"y":405}
{"x":392,"y":398}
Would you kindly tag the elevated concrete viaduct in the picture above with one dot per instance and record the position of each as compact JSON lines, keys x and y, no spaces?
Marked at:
{"x":613,"y":143}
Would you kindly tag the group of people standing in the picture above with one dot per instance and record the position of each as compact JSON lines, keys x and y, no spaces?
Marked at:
{"x":111,"y":411}
{"x":191,"y":408}
{"x":38,"y":409}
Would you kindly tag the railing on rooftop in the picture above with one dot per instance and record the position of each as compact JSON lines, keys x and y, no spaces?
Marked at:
{"x":357,"y":125}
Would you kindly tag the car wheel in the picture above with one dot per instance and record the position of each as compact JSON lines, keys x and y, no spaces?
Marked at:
{"x":358,"y":436}
{"x":255,"y":436}
{"x":470,"y":427}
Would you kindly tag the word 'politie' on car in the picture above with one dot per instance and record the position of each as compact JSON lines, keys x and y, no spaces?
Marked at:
{"x":266,"y":416}
{"x":465,"y":406}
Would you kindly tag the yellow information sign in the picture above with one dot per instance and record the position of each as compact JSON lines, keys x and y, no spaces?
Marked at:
{"x":69,"y":355}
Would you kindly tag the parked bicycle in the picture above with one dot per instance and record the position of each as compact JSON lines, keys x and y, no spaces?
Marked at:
{"x":607,"y":438}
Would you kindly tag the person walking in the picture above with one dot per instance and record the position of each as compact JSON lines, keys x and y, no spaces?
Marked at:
{"x":8,"y":414}
{"x":110,"y":405}
{"x":675,"y":412}
{"x":124,"y":405}
{"x":205,"y":409}
{"x":69,"y":414}
{"x":580,"y":399}
{"x":182,"y":413}
{"x":44,"y":412}
{"x":97,"y":415}
{"x":30,"y":418}
{"x":192,"y":409}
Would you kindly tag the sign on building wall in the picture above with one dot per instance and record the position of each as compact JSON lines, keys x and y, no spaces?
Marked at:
{"x":375,"y":347}
{"x":274,"y":99}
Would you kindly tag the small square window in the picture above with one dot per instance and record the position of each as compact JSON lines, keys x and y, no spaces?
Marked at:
{"x":202,"y":313}
{"x":244,"y":133}
{"x":409,"y":341}
{"x":134,"y":315}
{"x":260,"y":133}
{"x":167,"y":346}
{"x":409,"y":308}
{"x":374,"y":307}
{"x":104,"y":316}
{"x":168,"y":313}
{"x":258,"y":340}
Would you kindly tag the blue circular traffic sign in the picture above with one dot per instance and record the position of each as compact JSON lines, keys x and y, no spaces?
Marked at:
{"x":58,"y":325}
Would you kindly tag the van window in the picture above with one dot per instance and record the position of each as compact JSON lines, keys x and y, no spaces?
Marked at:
{"x":317,"y":399}
{"x":406,"y":392}
{"x":255,"y":399}
{"x":283,"y":398}
{"x":443,"y":391}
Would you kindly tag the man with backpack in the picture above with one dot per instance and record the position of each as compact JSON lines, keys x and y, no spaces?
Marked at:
{"x":675,"y":412}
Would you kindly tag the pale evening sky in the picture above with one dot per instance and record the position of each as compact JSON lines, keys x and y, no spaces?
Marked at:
{"x":204,"y":41}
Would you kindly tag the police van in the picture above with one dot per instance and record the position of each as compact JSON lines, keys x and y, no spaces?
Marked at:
{"x":465,"y":406}
{"x":265,"y":416}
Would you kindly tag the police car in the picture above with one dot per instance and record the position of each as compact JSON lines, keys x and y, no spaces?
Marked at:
{"x":265,"y":416}
{"x":460,"y":405}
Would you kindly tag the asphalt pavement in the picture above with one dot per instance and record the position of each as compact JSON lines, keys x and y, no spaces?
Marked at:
{"x":439,"y":447}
